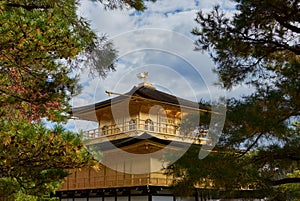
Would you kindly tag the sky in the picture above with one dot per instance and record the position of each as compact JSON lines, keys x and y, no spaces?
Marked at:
{"x":158,"y":41}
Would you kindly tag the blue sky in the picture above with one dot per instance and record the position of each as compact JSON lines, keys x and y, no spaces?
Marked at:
{"x":158,"y":41}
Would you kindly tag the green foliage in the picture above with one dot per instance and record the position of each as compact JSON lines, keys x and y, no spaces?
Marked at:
{"x":260,"y":143}
{"x":14,"y":192}
{"x":260,"y":40}
{"x":36,"y":58}
{"x":41,"y":43}
{"x":292,"y":189}
{"x":35,"y":158}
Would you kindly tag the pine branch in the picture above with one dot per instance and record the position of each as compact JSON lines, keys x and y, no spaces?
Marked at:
{"x":17,"y":97}
{"x":294,"y":48}
{"x":282,"y":21}
{"x":29,"y":7}
{"x":286,"y":181}
{"x":252,"y":145}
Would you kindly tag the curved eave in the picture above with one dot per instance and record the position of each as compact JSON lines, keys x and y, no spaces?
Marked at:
{"x":124,"y":142}
{"x":88,"y":112}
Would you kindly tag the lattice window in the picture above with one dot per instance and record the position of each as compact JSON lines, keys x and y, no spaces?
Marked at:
{"x":104,"y":130}
{"x":149,"y":125}
{"x":132,"y":124}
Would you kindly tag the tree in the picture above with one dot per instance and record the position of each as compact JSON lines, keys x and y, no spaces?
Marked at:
{"x":257,"y":46}
{"x":41,"y":43}
{"x":136,"y":4}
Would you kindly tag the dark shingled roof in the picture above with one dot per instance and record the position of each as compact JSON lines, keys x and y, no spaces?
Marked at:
{"x":143,"y":92}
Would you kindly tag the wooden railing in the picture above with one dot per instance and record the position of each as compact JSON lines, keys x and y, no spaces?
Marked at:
{"x":93,"y":133}
{"x":87,"y":183}
{"x":130,"y":128}
{"x":89,"y":179}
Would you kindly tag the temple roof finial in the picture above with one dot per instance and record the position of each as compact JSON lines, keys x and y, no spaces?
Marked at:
{"x":144,"y":76}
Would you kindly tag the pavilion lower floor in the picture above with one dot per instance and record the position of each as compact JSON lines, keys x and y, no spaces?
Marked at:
{"x":151,"y":193}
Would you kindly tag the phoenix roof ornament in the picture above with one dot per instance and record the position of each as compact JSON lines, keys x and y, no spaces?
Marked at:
{"x":143,"y":75}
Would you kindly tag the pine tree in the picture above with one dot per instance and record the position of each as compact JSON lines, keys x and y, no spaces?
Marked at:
{"x":259,"y":148}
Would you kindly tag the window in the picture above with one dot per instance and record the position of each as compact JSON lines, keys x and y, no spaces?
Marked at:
{"x":149,"y":125}
{"x":104,"y":130}
{"x":132,"y":124}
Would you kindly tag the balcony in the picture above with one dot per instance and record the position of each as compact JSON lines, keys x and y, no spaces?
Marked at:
{"x":136,"y":127}
{"x":89,"y":178}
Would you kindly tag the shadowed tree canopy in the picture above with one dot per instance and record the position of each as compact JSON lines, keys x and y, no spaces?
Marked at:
{"x":41,"y":44}
{"x":259,"y":148}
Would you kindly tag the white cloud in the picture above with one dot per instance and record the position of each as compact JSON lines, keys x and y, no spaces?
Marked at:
{"x":157,"y":40}
{"x":161,"y":19}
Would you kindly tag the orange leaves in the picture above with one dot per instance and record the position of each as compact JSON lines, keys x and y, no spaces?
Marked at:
{"x":6,"y":140}
{"x":1,"y":7}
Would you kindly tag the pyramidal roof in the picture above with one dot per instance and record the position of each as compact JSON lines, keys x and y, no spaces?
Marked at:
{"x":142,"y":92}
